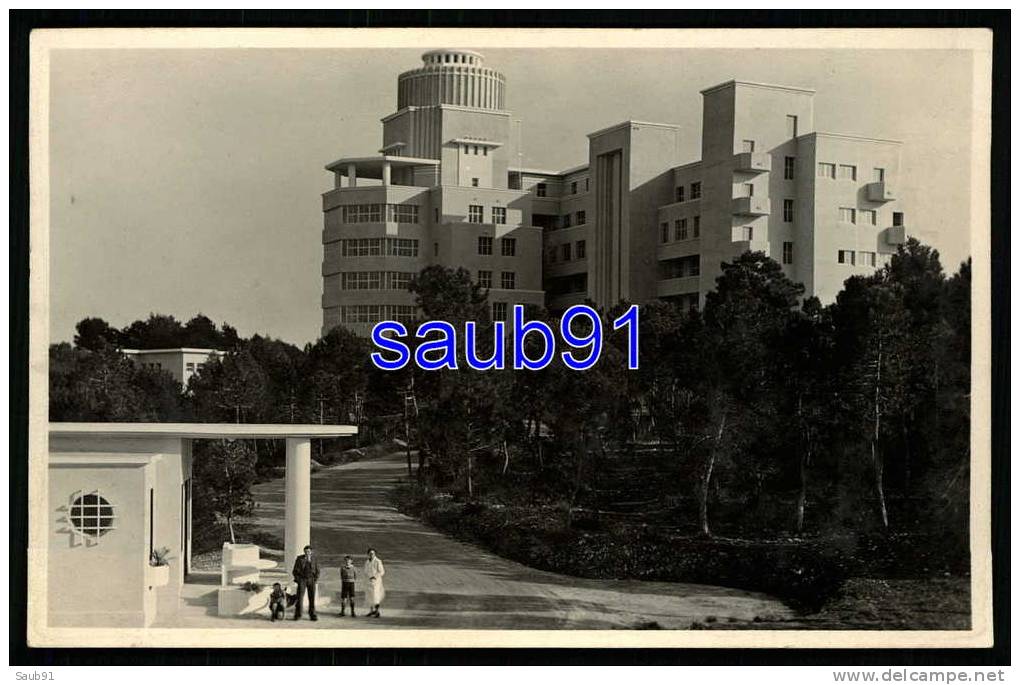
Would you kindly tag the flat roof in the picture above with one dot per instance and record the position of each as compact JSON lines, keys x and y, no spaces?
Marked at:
{"x":371,"y":167}
{"x":757,"y":84}
{"x":630,"y":123}
{"x":849,"y":136}
{"x":202,"y":430}
{"x":195,"y":350}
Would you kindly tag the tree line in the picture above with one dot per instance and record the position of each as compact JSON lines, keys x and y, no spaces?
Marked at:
{"x":763,"y":413}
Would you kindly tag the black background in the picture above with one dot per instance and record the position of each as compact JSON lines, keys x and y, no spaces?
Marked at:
{"x":23,"y":22}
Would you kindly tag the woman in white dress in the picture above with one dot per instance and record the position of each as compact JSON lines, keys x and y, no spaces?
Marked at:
{"x":374,"y":590}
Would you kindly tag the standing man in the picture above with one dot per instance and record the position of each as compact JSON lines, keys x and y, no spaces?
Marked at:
{"x":306,"y":574}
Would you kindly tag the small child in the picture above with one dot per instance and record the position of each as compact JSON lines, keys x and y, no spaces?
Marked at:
{"x":277,"y":602}
{"x":347,"y":578}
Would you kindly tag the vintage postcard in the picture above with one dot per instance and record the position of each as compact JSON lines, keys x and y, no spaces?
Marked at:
{"x":510,"y":338}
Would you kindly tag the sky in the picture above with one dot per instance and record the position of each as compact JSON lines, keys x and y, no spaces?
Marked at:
{"x":187,"y":181}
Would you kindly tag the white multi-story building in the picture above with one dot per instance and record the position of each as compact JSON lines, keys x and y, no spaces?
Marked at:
{"x":635,"y":223}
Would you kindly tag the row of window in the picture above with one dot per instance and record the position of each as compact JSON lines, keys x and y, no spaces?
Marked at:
{"x":542,"y":189}
{"x":375,"y":280}
{"x":857,"y":258}
{"x":507,"y":279}
{"x":376,"y":247}
{"x":376,"y":213}
{"x":573,"y":186}
{"x":370,"y":313}
{"x":681,"y":192}
{"x":567,"y":251}
{"x":580,"y":219}
{"x":484,"y":150}
{"x":683,"y":229}
{"x":507,"y":246}
{"x":476,"y":214}
{"x":847,"y":172}
{"x":683,"y":267}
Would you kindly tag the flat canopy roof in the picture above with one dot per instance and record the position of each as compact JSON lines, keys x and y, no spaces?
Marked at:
{"x":371,"y":167}
{"x":204,"y":430}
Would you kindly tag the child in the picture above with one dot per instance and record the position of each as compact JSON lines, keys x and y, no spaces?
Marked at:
{"x":347,"y":578}
{"x":277,"y":602}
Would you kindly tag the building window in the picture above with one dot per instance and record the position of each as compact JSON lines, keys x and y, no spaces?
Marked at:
{"x":680,"y":193}
{"x":696,"y":190}
{"x":484,"y":244}
{"x":360,"y":280}
{"x":848,"y":215}
{"x":565,"y":249}
{"x":845,"y":257}
{"x":867,"y":258}
{"x":402,"y":247}
{"x":508,"y":280}
{"x":869,"y":217}
{"x":499,"y":215}
{"x":580,"y":249}
{"x":826,"y":170}
{"x":436,"y":212}
{"x":748,"y":190}
{"x":747,"y":233}
{"x":664,"y":232}
{"x":402,"y":214}
{"x":91,"y":515}
{"x":747,"y":146}
{"x":435,"y":249}
{"x":787,"y":253}
{"x":190,"y":367}
{"x":587,"y":184}
{"x":566,"y":221}
{"x":788,"y":167}
{"x":499,"y":311}
{"x":788,"y":210}
{"x":474,"y":182}
{"x":476,"y":214}
{"x":791,"y":126}
{"x":485,"y":152}
{"x":485,"y":279}
{"x":878,"y":174}
{"x":696,"y":226}
{"x":573,"y":187}
{"x":580,"y":217}
{"x":540,"y":191}
{"x":467,"y":150}
{"x":848,"y":172}
{"x":551,"y":255}
{"x":897,"y":218}
{"x":508,"y":247}
{"x":680,"y":229}
{"x":476,"y":150}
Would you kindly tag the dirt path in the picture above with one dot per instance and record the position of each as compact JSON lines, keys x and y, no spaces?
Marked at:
{"x":434,"y":581}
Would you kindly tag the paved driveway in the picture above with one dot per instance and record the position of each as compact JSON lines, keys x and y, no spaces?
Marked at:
{"x":434,"y":581}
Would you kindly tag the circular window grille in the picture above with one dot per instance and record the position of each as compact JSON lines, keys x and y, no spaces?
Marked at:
{"x":91,"y":515}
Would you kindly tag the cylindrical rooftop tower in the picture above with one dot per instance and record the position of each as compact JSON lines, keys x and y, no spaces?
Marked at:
{"x":452,"y":77}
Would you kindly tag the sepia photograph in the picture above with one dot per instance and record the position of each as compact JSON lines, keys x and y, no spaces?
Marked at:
{"x":507,"y":337}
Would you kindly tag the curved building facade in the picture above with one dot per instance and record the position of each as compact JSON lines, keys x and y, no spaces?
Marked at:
{"x":452,"y":77}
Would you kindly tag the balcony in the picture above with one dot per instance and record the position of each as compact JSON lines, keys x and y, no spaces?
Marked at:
{"x":880,"y":191}
{"x":751,"y":206}
{"x":896,"y":235}
{"x":752,"y":162}
{"x":683,"y":285}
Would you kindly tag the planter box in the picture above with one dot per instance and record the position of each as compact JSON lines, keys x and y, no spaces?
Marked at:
{"x":159,"y":576}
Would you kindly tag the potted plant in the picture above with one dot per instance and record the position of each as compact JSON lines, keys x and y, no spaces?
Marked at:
{"x":159,"y":567}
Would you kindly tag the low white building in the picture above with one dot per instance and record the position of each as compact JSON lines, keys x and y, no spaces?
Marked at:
{"x":117,"y":492}
{"x":181,"y":362}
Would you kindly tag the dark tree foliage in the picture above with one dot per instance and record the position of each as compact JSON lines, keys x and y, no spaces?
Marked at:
{"x":764,"y":415}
